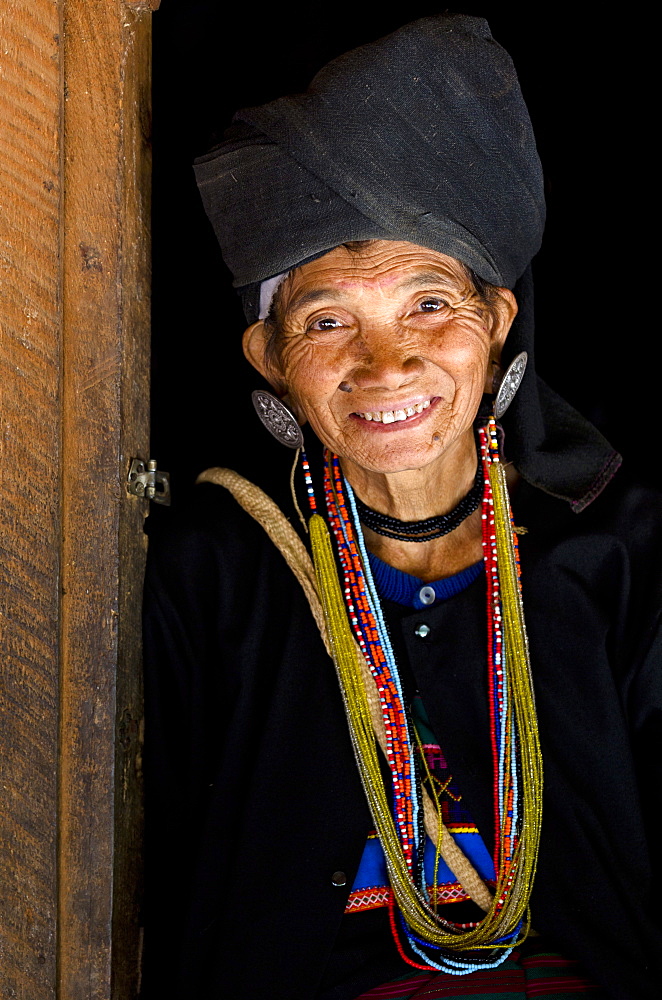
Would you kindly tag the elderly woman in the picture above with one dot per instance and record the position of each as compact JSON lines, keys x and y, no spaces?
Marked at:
{"x":400,"y":737}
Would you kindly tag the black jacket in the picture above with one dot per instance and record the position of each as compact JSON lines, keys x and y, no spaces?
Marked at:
{"x":253,"y":798}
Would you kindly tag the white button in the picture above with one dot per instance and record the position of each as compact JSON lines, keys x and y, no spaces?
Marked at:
{"x":422,"y":630}
{"x":426,"y":595}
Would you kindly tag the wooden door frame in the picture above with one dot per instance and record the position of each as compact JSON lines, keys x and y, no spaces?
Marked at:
{"x":75,"y":167}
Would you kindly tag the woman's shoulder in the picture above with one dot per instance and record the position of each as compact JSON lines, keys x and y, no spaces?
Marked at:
{"x":626,"y":509}
{"x":208,"y":536}
{"x":208,"y":516}
{"x":615,"y":541}
{"x":216,"y":586}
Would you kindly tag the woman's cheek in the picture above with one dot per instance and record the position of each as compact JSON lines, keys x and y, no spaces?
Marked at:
{"x":469,"y":360}
{"x":294,"y":356}
{"x":301,"y":357}
{"x":311,"y":378}
{"x":323,"y":426}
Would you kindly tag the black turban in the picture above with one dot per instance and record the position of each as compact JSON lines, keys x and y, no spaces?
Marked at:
{"x":421,"y":136}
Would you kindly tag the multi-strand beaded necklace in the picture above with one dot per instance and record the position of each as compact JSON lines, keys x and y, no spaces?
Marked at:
{"x":355,"y":627}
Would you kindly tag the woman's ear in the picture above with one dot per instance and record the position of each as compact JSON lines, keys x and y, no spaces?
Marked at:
{"x":254,"y":343}
{"x":504,"y":311}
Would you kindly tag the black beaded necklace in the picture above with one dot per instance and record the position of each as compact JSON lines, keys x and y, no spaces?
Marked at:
{"x":431,"y":527}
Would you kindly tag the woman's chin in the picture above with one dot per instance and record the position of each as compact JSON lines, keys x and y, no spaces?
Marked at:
{"x":398,"y":447}
{"x":391,"y":457}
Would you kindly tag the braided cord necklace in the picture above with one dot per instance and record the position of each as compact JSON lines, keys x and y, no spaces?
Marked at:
{"x":431,"y":527}
{"x":353,"y":615}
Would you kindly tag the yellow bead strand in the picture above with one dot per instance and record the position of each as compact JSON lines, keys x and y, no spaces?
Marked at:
{"x":510,"y":902}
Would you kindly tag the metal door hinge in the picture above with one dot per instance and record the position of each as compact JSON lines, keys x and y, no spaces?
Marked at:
{"x":143,"y":4}
{"x":145,"y":480}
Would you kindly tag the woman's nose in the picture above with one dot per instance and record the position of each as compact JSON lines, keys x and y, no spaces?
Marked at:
{"x":387,"y":362}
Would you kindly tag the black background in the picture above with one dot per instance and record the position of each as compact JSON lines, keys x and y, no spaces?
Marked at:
{"x":596,"y":298}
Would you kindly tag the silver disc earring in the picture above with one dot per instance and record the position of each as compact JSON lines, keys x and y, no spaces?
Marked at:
{"x":278,"y":418}
{"x":510,"y":383}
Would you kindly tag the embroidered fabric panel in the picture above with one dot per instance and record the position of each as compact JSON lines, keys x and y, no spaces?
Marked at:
{"x":373,"y":898}
{"x":371,"y":885}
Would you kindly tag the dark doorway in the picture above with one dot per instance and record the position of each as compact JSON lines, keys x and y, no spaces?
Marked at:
{"x":581,"y":83}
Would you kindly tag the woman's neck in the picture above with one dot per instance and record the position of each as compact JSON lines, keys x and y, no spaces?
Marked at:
{"x":416,"y":494}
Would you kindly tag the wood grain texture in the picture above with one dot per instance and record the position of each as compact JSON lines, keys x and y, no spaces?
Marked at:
{"x":132,"y":542}
{"x":105,"y":422}
{"x":29,"y":493}
{"x":74,"y":394}
{"x":143,"y":4}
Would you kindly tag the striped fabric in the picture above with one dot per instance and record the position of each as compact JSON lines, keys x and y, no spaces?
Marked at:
{"x":539,"y":975}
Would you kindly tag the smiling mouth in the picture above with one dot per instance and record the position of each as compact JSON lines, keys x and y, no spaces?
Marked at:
{"x":394,"y":416}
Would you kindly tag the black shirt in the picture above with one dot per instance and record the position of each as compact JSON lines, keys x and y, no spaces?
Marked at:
{"x":253,"y":801}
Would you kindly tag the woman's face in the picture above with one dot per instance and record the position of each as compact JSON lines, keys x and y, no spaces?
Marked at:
{"x":400,"y":326}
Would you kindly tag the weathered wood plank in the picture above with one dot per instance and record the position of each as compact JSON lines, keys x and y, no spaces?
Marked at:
{"x":105,"y":399}
{"x":29,"y":493}
{"x":134,"y":439}
{"x":74,"y":359}
{"x":143,"y":4}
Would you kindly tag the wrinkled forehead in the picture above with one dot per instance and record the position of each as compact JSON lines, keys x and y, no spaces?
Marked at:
{"x":377,"y":268}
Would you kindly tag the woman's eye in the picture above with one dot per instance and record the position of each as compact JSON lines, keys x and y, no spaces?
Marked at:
{"x":326,"y":323}
{"x":432,"y":305}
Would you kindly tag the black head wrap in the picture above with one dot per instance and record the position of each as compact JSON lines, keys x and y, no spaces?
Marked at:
{"x":421,"y":136}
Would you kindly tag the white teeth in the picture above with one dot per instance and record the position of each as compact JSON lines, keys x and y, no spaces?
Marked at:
{"x":391,"y":416}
